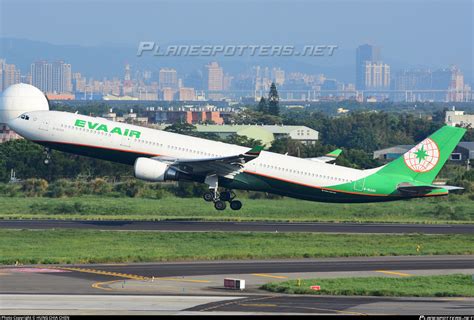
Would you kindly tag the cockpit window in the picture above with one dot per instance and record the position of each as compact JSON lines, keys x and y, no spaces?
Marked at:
{"x":25,"y":117}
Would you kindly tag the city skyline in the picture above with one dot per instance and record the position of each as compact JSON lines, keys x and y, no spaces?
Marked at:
{"x":61,"y":82}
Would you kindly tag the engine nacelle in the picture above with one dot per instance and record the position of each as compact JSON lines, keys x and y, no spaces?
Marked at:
{"x":154,"y":170}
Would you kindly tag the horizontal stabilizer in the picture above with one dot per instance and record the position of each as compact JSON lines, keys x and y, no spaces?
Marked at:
{"x":328,"y":157}
{"x":408,"y":188}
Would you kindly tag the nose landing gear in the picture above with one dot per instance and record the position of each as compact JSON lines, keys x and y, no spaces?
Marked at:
{"x":47,"y":153}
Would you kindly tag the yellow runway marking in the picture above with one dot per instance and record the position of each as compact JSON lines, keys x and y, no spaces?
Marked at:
{"x":395,"y":273}
{"x":98,"y":285}
{"x":268,"y":276}
{"x":4,"y":274}
{"x":183,"y":280}
{"x":106,"y":273}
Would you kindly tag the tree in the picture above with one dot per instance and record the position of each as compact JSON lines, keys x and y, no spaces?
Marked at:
{"x":249,"y":116}
{"x":262,"y":106}
{"x":181,"y":128}
{"x":242,"y":141}
{"x":273,"y":101}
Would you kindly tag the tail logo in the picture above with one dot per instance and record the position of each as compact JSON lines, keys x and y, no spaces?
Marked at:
{"x":423,"y":157}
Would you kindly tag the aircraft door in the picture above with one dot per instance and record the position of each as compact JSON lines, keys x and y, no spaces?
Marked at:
{"x":126,"y":141}
{"x":359,"y":184}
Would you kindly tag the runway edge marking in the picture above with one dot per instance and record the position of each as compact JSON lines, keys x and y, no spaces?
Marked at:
{"x":401,"y":274}
{"x":106,"y":273}
{"x":265,"y":275}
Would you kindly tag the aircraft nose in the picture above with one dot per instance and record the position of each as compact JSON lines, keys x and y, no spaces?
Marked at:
{"x":15,"y":125}
{"x":12,"y":123}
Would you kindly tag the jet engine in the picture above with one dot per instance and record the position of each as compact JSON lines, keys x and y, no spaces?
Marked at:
{"x":154,"y":170}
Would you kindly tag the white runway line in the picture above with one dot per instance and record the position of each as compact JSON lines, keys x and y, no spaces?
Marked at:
{"x":115,"y":303}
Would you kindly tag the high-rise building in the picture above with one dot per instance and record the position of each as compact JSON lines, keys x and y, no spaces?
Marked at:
{"x":456,"y":87}
{"x":215,"y":77}
{"x":8,"y":75}
{"x":42,"y":75}
{"x":187,"y":94}
{"x":417,"y":79}
{"x":227,"y":82}
{"x":278,"y":76}
{"x":168,"y":94}
{"x":168,"y":78}
{"x":377,"y":76}
{"x":79,"y":83}
{"x":2,"y":65}
{"x":62,"y":77}
{"x":52,"y":77}
{"x":364,"y":53}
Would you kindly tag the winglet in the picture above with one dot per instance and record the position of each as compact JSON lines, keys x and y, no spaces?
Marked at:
{"x":253,"y":153}
{"x":334,"y":153}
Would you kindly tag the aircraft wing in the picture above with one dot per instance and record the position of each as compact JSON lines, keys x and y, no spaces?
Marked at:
{"x":408,"y":188}
{"x":328,"y":157}
{"x":223,"y":166}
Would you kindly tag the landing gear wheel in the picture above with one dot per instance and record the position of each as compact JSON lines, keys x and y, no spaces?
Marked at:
{"x":47,"y":153}
{"x":208,"y":196}
{"x":227,"y":196}
{"x":235,"y":205}
{"x":220,"y":205}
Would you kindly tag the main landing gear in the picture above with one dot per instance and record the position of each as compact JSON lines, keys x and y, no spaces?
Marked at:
{"x":220,"y":199}
{"x":47,"y":156}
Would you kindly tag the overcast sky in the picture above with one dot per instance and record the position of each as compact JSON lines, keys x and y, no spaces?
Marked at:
{"x":419,"y":31}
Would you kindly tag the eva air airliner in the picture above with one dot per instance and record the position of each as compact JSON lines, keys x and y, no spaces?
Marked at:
{"x":163,"y":156}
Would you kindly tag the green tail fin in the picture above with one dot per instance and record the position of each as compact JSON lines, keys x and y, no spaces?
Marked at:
{"x":334,"y":153}
{"x":424,"y":161}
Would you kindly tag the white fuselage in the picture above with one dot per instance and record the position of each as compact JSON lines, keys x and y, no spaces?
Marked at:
{"x":60,"y":128}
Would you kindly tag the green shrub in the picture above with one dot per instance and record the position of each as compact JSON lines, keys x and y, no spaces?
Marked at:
{"x":34,"y":187}
{"x":10,"y":189}
{"x":62,"y":188}
{"x":100,"y":186}
{"x":184,"y":190}
{"x":131,"y":188}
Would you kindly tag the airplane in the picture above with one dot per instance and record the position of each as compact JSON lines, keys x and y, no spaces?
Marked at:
{"x":164,"y":156}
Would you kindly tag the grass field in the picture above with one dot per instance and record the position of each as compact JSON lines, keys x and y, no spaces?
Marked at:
{"x":456,"y":285}
{"x":91,"y":246}
{"x":452,"y":209}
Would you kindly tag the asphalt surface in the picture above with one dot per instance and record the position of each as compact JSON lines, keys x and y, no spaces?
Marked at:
{"x":240,"y":226}
{"x":288,"y":266}
{"x":340,"y":305}
{"x":218,"y":305}
{"x":73,"y":283}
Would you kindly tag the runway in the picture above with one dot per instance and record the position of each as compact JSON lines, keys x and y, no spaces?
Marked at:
{"x":197,"y":287}
{"x":201,"y":226}
{"x":289,"y":266}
